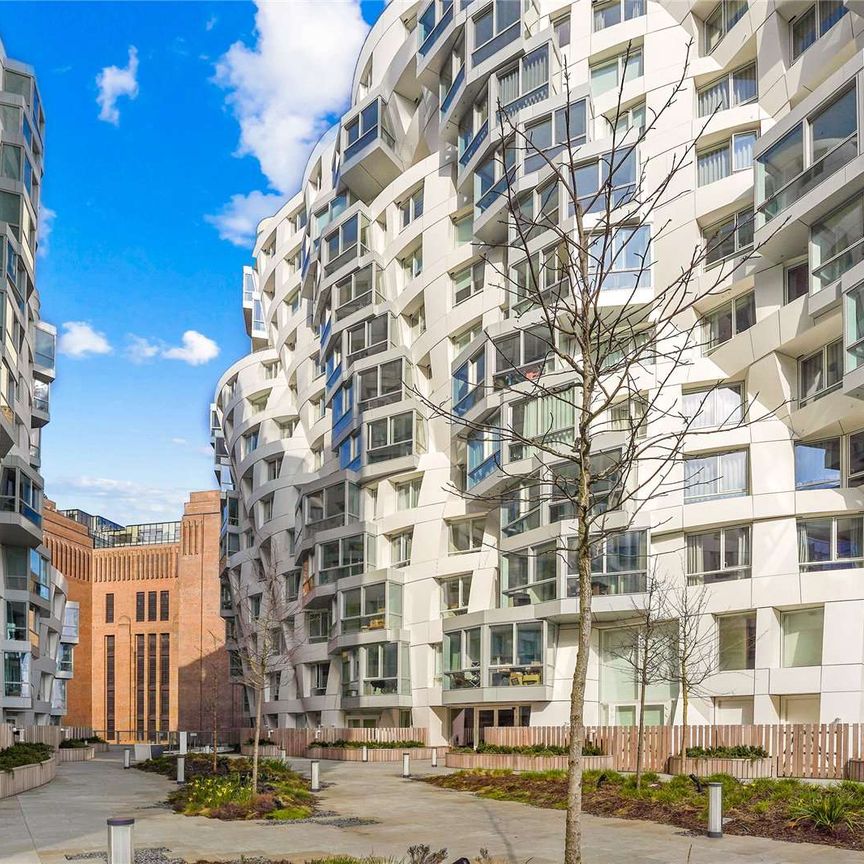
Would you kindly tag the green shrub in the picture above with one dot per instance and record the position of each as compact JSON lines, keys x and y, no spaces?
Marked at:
{"x":73,"y":744}
{"x":588,"y":749}
{"x":95,"y":739}
{"x":24,"y":754}
{"x":341,"y":744}
{"x":739,"y":751}
{"x":206,"y":793}
{"x":826,"y":811}
{"x":262,"y":742}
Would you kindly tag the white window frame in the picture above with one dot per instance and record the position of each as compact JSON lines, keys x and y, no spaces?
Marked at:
{"x":475,"y":274}
{"x":476,"y":527}
{"x":717,"y":476}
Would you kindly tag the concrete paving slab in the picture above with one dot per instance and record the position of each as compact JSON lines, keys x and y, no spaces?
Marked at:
{"x":68,"y":817}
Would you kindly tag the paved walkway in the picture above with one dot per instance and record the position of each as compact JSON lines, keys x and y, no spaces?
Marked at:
{"x":68,"y":816}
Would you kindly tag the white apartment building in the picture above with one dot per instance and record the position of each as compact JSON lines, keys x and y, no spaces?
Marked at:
{"x":377,"y":280}
{"x":39,"y":628}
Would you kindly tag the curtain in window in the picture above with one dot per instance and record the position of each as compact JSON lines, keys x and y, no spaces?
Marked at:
{"x":715,"y":98}
{"x":604,"y":78}
{"x":742,"y":151}
{"x":733,"y":471}
{"x":744,"y":87}
{"x":508,"y":86}
{"x":535,"y":69}
{"x":700,"y":477}
{"x":713,"y":166}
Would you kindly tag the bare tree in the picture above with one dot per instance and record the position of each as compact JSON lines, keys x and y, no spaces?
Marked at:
{"x":693,"y":649}
{"x":593,"y":361}
{"x":213,"y":686}
{"x":266,"y":645}
{"x":645,"y":650}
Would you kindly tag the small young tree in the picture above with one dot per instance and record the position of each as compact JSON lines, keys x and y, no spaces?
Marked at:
{"x":262,"y":611}
{"x":593,"y":360}
{"x":692,"y":650}
{"x":213,"y":687}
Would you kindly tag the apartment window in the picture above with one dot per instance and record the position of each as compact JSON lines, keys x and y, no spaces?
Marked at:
{"x":340,"y":558}
{"x":529,"y":576}
{"x":16,"y":621}
{"x":802,"y":637}
{"x":629,"y":416}
{"x":139,"y":606}
{"x":830,"y":543}
{"x":466,"y":535}
{"x":622,"y":260}
{"x":820,"y":373}
{"x":621,"y":120}
{"x":370,"y":337}
{"x":320,"y":678}
{"x":349,"y":452}
{"x":163,"y":605}
{"x":400,"y":548}
{"x":736,"y":88}
{"x":490,"y":27}
{"x":336,"y":505}
{"x":521,"y":356}
{"x":151,"y":605}
{"x":736,"y":635}
{"x":549,"y":419}
{"x":521,"y":509}
{"x":273,"y":469}
{"x":109,"y":608}
{"x":595,"y":179}
{"x":462,"y":340}
{"x":365,"y":608}
{"x":343,"y":242}
{"x":718,"y":475}
{"x":483,"y":451}
{"x":493,"y":175}
{"x":815,"y":23}
{"x":455,"y":593}
{"x":462,"y":658}
{"x":139,"y":683}
{"x":722,"y":19}
{"x":526,"y":83}
{"x":807,"y":154}
{"x":855,"y":464}
{"x":516,"y":655}
{"x":318,"y":626}
{"x":164,"y":679}
{"x":619,"y":564}
{"x":390,"y":437}
{"x":729,"y":320}
{"x":411,"y":208}
{"x":354,"y":292}
{"x":547,"y":137}
{"x":733,"y":155}
{"x":266,"y":510}
{"x":380,"y":385}
{"x":718,"y":556}
{"x":713,"y":406}
{"x":729,"y":238}
{"x":607,"y":13}
{"x":561,"y":29}
{"x":408,"y":494}
{"x":837,"y":243}
{"x":796,"y":282}
{"x":250,"y":442}
{"x":412,"y":264}
{"x":417,"y":323}
{"x":608,"y":75}
{"x":817,"y":464}
{"x":463,"y":229}
{"x":468,"y":282}
{"x":469,"y":382}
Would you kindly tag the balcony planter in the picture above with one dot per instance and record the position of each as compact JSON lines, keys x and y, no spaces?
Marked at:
{"x":740,"y":769}
{"x":75,"y":754}
{"x":521,"y":762}
{"x":265,"y":751}
{"x":27,"y":777}
{"x":855,"y":770}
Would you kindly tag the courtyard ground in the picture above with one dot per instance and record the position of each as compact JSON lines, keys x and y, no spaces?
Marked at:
{"x":365,"y":809}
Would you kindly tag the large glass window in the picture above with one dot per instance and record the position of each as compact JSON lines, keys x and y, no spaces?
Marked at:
{"x":367,"y":608}
{"x":495,"y":27}
{"x":722,"y":19}
{"x":837,"y":243}
{"x":622,"y":260}
{"x":550,"y":420}
{"x":516,"y":655}
{"x":467,"y":282}
{"x":339,"y":558}
{"x":718,"y":556}
{"x":521,"y":508}
{"x":733,"y":155}
{"x":526,"y":83}
{"x":390,"y":437}
{"x":530,"y":575}
{"x":737,"y":642}
{"x":469,"y":383}
{"x":737,"y":88}
{"x":614,"y":175}
{"x":821,"y":372}
{"x":607,"y":75}
{"x":718,"y":475}
{"x":817,"y":464}
{"x":380,"y":385}
{"x":462,"y":658}
{"x":368,"y":338}
{"x":466,"y":535}
{"x":813,"y":23}
{"x":713,"y":406}
{"x":619,"y":564}
{"x":730,"y":319}
{"x":549,"y":136}
{"x":521,"y":356}
{"x":802,"y":637}
{"x":607,"y":13}
{"x":455,"y":594}
{"x":831,"y":542}
{"x":483,"y":451}
{"x":729,"y":238}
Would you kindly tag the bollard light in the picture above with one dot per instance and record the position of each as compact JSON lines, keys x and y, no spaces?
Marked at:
{"x":127,"y":758}
{"x":715,"y":810}
{"x":181,"y":769}
{"x":365,"y":754}
{"x":283,"y":756}
{"x":183,"y":742}
{"x":121,"y":849}
{"x":406,"y":764}
{"x":434,"y":757}
{"x":315,"y":775}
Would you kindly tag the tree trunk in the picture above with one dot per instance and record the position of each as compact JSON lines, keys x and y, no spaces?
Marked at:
{"x":640,"y":732}
{"x":215,"y":729}
{"x":258,"y":695}
{"x":684,"y":698}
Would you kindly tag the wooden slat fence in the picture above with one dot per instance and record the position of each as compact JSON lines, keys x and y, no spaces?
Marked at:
{"x":7,"y":738}
{"x":296,"y":742}
{"x":801,"y":750}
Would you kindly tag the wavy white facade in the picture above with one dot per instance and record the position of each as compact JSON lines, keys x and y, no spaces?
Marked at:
{"x":370,"y":284}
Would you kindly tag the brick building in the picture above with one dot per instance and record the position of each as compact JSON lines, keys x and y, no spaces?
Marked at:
{"x":151,"y":652}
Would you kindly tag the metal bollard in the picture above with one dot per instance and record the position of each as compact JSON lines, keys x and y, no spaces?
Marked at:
{"x":183,"y":742}
{"x":283,"y":756}
{"x":121,"y":849}
{"x":364,"y":754}
{"x":127,"y":758}
{"x":434,"y":757}
{"x":315,"y":774}
{"x":715,"y":810}
{"x":406,"y":764}
{"x":181,"y":769}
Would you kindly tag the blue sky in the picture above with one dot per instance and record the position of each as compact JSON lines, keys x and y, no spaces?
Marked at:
{"x":193,"y":146}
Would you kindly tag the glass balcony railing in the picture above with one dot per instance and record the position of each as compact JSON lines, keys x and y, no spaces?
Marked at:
{"x":496,"y":43}
{"x":333,"y":375}
{"x":516,"y":675}
{"x":475,"y":143}
{"x":484,"y":469}
{"x":12,"y":504}
{"x":16,"y":689}
{"x":342,"y":423}
{"x":603,"y":584}
{"x":326,"y":329}
{"x":496,"y":191}
{"x":455,"y":87}
{"x":435,"y":33}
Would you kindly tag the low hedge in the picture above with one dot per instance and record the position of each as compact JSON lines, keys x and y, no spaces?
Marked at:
{"x":588,"y":749}
{"x":340,"y":743}
{"x":74,"y":743}
{"x":24,"y":754}
{"x":738,"y":751}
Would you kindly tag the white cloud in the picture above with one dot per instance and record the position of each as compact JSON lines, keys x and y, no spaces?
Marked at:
{"x":284,"y":91}
{"x":211,"y":23}
{"x":195,"y":350}
{"x":239,"y":218}
{"x":79,"y":339}
{"x":46,"y":223}
{"x":180,"y":442}
{"x":139,"y":349}
{"x":114,"y":82}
